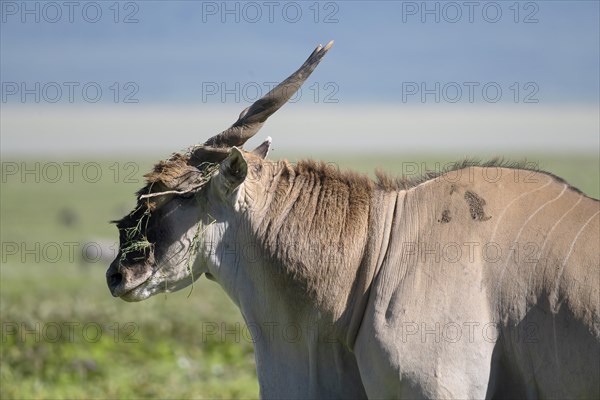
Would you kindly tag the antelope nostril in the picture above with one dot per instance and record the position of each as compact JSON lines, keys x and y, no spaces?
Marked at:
{"x":114,"y":279}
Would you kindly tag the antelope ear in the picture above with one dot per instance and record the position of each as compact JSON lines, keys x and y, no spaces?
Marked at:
{"x":234,"y":169}
{"x":263,"y":149}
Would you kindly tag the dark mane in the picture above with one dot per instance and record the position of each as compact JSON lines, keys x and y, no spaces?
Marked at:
{"x":385,"y":181}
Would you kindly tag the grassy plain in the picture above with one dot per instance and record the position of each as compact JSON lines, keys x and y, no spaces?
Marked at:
{"x":64,"y":336}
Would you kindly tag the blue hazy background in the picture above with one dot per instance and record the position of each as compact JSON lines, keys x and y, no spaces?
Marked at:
{"x":190,"y":55}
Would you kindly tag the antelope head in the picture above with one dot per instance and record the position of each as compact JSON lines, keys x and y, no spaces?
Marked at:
{"x":168,"y":240}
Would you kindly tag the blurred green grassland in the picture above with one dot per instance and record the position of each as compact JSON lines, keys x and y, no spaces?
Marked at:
{"x":64,"y":336}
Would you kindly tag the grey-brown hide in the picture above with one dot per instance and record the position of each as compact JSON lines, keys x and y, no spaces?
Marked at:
{"x":491,"y":286}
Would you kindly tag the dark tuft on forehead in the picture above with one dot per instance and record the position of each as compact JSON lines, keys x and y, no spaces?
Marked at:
{"x":170,"y":170}
{"x":180,"y":173}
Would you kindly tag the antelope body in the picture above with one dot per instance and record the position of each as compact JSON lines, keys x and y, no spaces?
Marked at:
{"x":478,"y":282}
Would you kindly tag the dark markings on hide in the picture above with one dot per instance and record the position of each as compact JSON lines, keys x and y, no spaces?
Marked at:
{"x":388,"y":314}
{"x":452,"y":189}
{"x":476,"y":204}
{"x":445,"y":217}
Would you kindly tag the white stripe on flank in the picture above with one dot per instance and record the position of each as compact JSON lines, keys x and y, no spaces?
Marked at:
{"x":550,"y":233}
{"x":516,"y":242}
{"x":508,"y":257}
{"x":550,"y":180}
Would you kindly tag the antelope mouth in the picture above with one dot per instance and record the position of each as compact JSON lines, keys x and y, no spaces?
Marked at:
{"x":135,"y":294}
